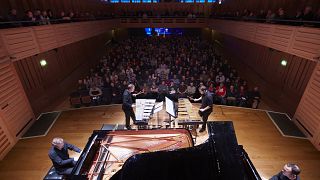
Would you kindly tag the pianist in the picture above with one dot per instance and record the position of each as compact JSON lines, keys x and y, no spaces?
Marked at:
{"x":206,"y":106}
{"x":59,"y":156}
{"x":289,"y":172}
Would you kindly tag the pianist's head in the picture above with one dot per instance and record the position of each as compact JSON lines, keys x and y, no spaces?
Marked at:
{"x":131,"y":88}
{"x":202,"y":89}
{"x":291,"y":170}
{"x":58,"y":143}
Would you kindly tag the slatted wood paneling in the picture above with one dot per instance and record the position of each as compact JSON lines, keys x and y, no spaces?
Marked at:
{"x":307,"y":116}
{"x":20,"y":42}
{"x":306,"y":42}
{"x":300,"y":41}
{"x":6,"y":142}
{"x":13,"y":103}
{"x":45,"y":86}
{"x":24,"y":42}
{"x":15,"y":110}
{"x":46,"y":38}
{"x":282,"y":86}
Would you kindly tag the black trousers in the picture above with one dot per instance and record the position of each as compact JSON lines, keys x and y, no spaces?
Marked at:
{"x":67,"y":171}
{"x":129,"y":113}
{"x":205,"y":115}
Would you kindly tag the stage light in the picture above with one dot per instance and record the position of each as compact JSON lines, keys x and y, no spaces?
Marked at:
{"x":43,"y":62}
{"x":284,"y":62}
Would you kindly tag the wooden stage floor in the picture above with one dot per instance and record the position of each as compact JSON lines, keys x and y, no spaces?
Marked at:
{"x":267,"y":149}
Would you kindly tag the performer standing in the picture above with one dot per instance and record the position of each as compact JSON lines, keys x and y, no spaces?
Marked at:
{"x":127,"y":105}
{"x":206,"y":106}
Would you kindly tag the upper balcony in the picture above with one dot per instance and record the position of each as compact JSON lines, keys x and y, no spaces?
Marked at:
{"x":168,"y":22}
{"x":19,"y":43}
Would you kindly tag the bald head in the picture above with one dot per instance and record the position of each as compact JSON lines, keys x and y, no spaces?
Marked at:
{"x":58,"y":143}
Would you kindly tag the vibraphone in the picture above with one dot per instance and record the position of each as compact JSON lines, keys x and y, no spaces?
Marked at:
{"x":187,"y":113}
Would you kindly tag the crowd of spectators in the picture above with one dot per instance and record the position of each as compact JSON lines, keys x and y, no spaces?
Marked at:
{"x":172,"y":66}
{"x":159,"y":14}
{"x":307,"y":16}
{"x":44,"y":17}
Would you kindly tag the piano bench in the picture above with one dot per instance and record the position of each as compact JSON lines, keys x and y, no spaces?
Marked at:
{"x":53,"y":175}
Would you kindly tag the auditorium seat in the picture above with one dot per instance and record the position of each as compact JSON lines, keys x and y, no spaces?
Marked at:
{"x":75,"y":99}
{"x":53,"y":175}
{"x":85,"y":98}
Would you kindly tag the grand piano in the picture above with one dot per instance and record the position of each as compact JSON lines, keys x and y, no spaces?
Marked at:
{"x":165,"y":154}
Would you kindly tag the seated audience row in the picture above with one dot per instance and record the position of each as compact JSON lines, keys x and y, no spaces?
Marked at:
{"x":43,"y":17}
{"x":173,"y":66}
{"x":307,"y":16}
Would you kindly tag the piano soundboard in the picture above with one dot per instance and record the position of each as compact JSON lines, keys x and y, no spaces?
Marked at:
{"x":187,"y":113}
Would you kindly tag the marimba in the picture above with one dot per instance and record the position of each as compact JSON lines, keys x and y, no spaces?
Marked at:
{"x":187,"y":113}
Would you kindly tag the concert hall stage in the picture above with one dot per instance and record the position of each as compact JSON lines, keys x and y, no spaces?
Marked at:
{"x":267,"y":148}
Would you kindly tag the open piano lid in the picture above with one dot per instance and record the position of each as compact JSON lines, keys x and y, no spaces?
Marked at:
{"x":220,"y":157}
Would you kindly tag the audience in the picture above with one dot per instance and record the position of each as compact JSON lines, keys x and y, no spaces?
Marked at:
{"x":306,"y":17}
{"x":45,"y":17}
{"x":174,"y":66}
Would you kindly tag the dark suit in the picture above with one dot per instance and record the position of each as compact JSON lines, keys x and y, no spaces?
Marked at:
{"x":280,"y":176}
{"x":207,"y":100}
{"x":127,"y":107}
{"x":61,"y":160}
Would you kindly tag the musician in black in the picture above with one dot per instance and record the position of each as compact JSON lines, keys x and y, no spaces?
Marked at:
{"x":59,"y":156}
{"x":206,"y":106}
{"x":127,"y":105}
{"x":289,"y":172}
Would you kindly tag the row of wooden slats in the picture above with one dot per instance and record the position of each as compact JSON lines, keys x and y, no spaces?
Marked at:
{"x":15,"y":110}
{"x":300,"y":41}
{"x":14,"y":106}
{"x":308,"y":111}
{"x":6,"y":141}
{"x":28,"y":41}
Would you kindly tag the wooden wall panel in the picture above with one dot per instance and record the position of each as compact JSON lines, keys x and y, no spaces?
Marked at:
{"x":46,"y":37}
{"x":282,"y":86}
{"x":307,"y":116}
{"x":6,"y":142}
{"x":159,"y":8}
{"x":63,"y":34}
{"x":20,"y":42}
{"x":13,"y":103}
{"x":52,"y":84}
{"x":15,"y":111}
{"x":306,"y":42}
{"x":300,"y":41}
{"x":28,"y":41}
{"x":55,"y":5}
{"x":289,"y":6}
{"x":163,"y":22}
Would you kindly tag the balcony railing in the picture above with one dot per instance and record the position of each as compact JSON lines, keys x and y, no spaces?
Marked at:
{"x":21,"y":42}
{"x":295,"y":37}
{"x":169,"y":22}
